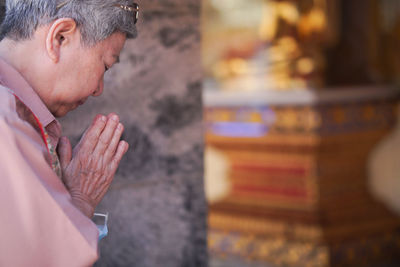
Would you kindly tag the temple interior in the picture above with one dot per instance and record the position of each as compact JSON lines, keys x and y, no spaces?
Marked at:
{"x":300,"y":114}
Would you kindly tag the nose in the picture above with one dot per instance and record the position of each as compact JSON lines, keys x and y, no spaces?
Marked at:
{"x":99,"y":89}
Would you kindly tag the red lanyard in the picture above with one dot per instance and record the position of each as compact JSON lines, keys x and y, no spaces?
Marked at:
{"x":54,"y":161}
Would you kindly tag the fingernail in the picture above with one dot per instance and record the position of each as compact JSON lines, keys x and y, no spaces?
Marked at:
{"x":114,"y":118}
{"x":120,"y":126}
{"x":103,"y":119}
{"x":125,"y":144}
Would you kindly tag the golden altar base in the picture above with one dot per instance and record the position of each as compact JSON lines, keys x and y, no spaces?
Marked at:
{"x":299,"y":193}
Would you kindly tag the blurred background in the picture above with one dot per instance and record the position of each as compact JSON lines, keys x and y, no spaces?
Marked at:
{"x":302,"y":148}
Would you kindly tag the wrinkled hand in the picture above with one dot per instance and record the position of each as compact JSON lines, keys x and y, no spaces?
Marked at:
{"x":89,"y":169}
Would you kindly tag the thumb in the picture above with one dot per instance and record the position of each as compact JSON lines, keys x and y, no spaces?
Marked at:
{"x":64,"y":150}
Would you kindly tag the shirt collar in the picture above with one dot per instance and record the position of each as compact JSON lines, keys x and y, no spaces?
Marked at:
{"x":12,"y":79}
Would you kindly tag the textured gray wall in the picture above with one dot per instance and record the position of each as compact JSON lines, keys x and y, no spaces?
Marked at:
{"x":156,"y":203}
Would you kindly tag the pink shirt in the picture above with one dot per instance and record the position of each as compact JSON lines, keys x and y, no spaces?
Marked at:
{"x":39,"y":225}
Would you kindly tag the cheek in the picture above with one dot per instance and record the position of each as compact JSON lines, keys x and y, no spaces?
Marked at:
{"x":92,"y":81}
{"x":89,"y":78}
{"x":93,"y":85}
{"x":97,"y":74}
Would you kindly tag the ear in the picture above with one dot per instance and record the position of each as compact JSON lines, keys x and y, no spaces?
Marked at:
{"x":61,"y":32}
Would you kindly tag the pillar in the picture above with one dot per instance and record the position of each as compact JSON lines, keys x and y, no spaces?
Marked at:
{"x":156,"y":205}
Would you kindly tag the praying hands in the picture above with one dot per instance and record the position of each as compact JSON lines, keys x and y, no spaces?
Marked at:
{"x":89,"y":168}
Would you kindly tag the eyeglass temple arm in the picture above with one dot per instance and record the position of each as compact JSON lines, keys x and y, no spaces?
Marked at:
{"x":127,"y":8}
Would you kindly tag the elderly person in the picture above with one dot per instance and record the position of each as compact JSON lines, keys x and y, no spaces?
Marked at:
{"x":53,"y":56}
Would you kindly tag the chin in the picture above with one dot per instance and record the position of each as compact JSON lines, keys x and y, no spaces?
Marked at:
{"x":61,"y":112}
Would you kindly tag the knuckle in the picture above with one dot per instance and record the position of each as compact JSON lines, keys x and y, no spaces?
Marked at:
{"x":103,"y":140}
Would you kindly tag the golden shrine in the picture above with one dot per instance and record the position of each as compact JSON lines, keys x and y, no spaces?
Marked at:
{"x":291,"y":118}
{"x":298,"y":192}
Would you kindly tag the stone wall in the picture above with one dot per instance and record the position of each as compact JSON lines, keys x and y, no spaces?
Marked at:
{"x":156,"y":204}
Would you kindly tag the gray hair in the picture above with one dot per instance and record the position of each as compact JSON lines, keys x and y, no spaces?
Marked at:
{"x":96,"y":19}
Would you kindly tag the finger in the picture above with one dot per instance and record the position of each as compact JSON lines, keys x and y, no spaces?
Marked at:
{"x":92,"y":134}
{"x":121,"y":150}
{"x":103,"y":186}
{"x":107,"y":134}
{"x":112,"y":147}
{"x":64,"y":150}
{"x":94,"y":121}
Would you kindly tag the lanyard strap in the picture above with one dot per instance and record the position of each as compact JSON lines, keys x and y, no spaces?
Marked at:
{"x":55,"y":162}
{"x":51,"y":151}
